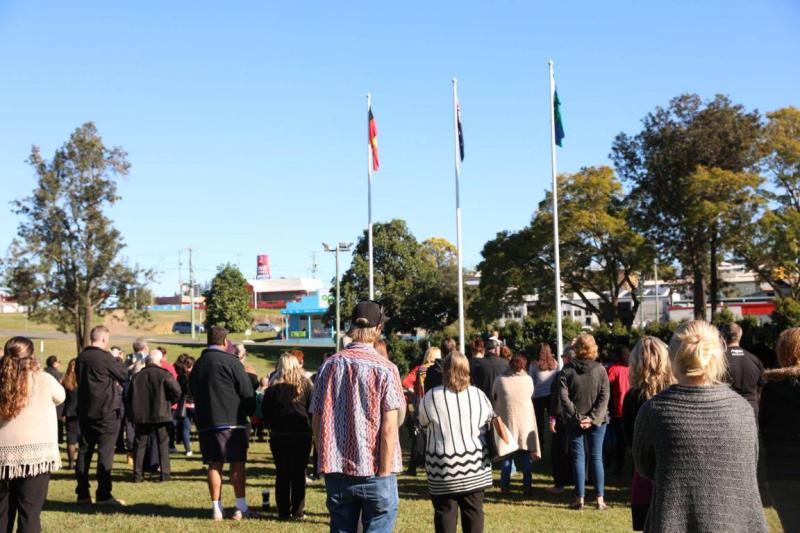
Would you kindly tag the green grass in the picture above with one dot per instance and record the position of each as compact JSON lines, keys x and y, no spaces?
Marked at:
{"x":182,"y":504}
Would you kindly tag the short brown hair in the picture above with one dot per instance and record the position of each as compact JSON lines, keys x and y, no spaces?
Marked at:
{"x":455,"y":372}
{"x":518,"y":363}
{"x":585,"y":347}
{"x":217,"y":335}
{"x":477,"y":346}
{"x":788,"y":348}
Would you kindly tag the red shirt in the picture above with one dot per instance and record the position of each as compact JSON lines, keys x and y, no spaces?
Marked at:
{"x":618,"y":379}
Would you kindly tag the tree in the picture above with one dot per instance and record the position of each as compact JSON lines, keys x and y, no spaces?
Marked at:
{"x":600,"y":253}
{"x":771,"y":245}
{"x":228,"y":300}
{"x":65,"y":263}
{"x":414,"y":282}
{"x":677,"y":167}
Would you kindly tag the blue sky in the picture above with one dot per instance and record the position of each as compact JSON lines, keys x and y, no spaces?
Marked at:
{"x":245,"y":121}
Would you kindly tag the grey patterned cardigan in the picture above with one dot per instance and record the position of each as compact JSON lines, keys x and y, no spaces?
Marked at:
{"x":699,"y":445}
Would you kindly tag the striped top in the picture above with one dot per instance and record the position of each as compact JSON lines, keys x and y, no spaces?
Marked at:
{"x":457,"y":451}
{"x":352,"y":391}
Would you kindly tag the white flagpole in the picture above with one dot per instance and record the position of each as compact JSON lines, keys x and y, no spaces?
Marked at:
{"x":369,"y":202}
{"x":559,"y":334}
{"x":457,"y":153}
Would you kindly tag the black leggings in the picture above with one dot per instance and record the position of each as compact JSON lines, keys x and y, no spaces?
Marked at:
{"x":291,"y":457}
{"x":22,"y":498}
{"x":445,"y":512}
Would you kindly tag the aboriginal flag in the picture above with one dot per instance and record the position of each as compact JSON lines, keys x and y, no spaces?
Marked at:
{"x":373,"y":138}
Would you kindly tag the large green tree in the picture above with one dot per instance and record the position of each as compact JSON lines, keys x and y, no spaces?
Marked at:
{"x":688,"y":169}
{"x":415,"y":282}
{"x":65,"y":263}
{"x":599,"y":252}
{"x":771,"y":245}
{"x":228,"y":300}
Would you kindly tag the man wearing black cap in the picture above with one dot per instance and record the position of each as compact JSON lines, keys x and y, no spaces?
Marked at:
{"x":485,"y":369}
{"x":357,"y":395}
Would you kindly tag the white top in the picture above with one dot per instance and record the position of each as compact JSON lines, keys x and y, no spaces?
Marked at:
{"x":542,"y":380}
{"x":457,"y":452}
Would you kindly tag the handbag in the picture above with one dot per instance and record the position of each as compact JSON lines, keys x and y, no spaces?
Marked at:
{"x":180,"y":412}
{"x":501,"y":444}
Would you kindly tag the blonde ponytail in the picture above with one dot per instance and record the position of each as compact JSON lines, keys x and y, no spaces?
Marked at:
{"x":698,"y":351}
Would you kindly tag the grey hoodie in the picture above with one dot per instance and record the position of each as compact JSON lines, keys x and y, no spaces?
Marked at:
{"x":584,"y":391}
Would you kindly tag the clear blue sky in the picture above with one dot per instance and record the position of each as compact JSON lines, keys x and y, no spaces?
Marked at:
{"x":245,"y":121}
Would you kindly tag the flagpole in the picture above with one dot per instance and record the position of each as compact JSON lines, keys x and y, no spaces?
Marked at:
{"x":369,"y":205}
{"x":457,"y":152}
{"x":559,"y":334}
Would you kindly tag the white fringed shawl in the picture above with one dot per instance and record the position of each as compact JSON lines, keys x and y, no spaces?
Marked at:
{"x":29,"y":441}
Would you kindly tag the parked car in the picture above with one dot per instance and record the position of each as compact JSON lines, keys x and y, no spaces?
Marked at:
{"x":266,"y":327}
{"x":186,"y":327}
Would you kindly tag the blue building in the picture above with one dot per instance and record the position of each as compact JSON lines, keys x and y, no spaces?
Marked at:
{"x":304,"y":318}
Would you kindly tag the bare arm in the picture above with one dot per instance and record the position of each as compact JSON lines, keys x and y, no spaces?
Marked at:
{"x":388,"y":442}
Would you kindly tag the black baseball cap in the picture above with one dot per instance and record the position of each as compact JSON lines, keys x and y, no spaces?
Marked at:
{"x":368,"y":314}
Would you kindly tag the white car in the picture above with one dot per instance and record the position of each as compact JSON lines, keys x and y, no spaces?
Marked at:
{"x":266,"y":327}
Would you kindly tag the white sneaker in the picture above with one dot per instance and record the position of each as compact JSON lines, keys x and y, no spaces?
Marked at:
{"x":216,"y":514}
{"x":189,"y":453}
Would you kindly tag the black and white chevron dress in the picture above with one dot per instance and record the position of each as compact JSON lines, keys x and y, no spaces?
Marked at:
{"x":457,"y":455}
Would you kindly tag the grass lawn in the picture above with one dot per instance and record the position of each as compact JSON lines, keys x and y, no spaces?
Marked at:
{"x":182,"y":504}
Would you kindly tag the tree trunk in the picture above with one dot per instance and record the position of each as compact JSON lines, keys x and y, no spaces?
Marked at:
{"x":87,"y":322}
{"x":699,"y":292}
{"x":713,"y":281}
{"x":78,"y":333}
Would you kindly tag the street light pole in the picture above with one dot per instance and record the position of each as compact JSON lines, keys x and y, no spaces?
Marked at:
{"x":341,"y":247}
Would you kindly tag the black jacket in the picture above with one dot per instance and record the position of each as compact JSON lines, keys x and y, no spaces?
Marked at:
{"x":779,"y":423}
{"x":744,"y":375}
{"x":99,"y":377}
{"x":284,"y":412}
{"x":151,"y":394}
{"x":634,"y":400}
{"x":70,"y":403}
{"x":222,"y":391}
{"x":433,"y":376}
{"x":583,"y":390}
{"x":484,"y":370}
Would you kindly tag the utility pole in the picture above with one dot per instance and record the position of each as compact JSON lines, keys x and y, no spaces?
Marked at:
{"x":191,"y":291}
{"x":341,"y":247}
{"x":180,"y":281}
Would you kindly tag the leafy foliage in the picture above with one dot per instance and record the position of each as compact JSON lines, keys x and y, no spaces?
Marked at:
{"x":415,"y":283}
{"x":600,"y":253}
{"x":688,"y":169}
{"x":65,"y":263}
{"x":524,"y":337}
{"x":228,"y":300}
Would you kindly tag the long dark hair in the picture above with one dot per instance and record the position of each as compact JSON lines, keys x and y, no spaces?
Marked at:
{"x":546,"y":361}
{"x":70,"y":380}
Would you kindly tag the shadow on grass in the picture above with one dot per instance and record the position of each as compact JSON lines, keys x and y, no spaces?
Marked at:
{"x":139,"y":509}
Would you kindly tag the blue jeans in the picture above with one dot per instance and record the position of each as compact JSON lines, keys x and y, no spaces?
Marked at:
{"x":184,"y":425}
{"x":522,"y":458}
{"x":595,"y":436}
{"x":373,"y":498}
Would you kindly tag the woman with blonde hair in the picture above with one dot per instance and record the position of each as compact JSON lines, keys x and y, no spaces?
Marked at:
{"x":650,"y":373}
{"x":285,"y":410}
{"x":28,"y":437}
{"x":779,"y":422}
{"x":697,"y":441}
{"x":583,"y":393}
{"x":456,"y":416}
{"x":414,"y":387}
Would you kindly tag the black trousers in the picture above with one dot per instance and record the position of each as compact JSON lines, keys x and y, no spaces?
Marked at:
{"x":445,"y":512}
{"x":291,"y":457}
{"x":616,"y":456}
{"x":540,"y":405}
{"x":144,"y":432}
{"x":784,"y":494}
{"x":100,"y":434}
{"x":559,"y":456}
{"x":22,"y":498}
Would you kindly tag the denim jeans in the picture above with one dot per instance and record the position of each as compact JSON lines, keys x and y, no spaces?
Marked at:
{"x":374,"y":498}
{"x":595,"y":436}
{"x":184,"y":425}
{"x":522,"y":459}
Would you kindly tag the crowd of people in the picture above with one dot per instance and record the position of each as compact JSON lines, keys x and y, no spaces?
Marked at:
{"x":690,"y":412}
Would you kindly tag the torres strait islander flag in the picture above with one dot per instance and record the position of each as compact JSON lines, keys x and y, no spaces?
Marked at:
{"x":557,"y":124}
{"x":373,"y":138}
